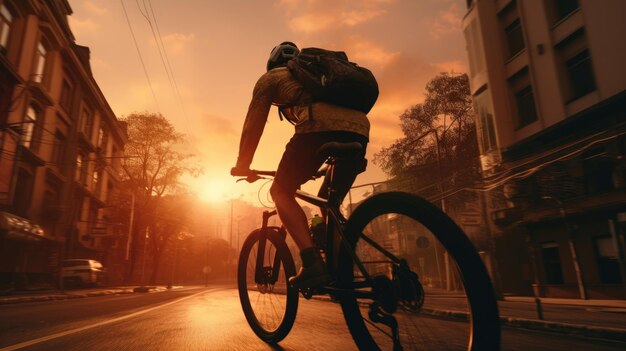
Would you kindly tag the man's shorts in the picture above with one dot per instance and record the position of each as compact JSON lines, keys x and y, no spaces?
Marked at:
{"x":300,"y":162}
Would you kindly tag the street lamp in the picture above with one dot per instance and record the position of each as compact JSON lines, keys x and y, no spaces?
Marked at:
{"x":572,"y":248}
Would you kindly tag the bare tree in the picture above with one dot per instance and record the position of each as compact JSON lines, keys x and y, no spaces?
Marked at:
{"x":438,"y":151}
{"x":153,"y":163}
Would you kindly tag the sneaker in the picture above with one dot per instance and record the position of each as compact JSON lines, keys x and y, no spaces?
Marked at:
{"x":311,"y":277}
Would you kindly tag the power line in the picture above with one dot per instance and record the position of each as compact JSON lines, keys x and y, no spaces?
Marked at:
{"x":502,"y":178}
{"x":162,"y":53}
{"x":180,"y":101}
{"x":140,"y":57}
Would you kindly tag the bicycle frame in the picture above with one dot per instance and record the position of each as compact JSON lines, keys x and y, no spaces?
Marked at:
{"x":335,"y":222}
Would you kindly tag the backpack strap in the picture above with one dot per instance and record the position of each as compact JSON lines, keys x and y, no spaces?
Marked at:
{"x":282,"y":116}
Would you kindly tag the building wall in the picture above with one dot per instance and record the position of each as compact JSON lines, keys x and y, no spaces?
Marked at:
{"x":551,"y":143}
{"x":39,"y":179}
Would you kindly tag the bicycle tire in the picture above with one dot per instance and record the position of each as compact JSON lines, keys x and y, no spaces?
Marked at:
{"x":254,"y":297}
{"x":484,"y":326}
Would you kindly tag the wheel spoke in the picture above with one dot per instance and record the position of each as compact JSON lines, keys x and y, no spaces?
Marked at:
{"x":403,"y":244}
{"x":270,"y":315}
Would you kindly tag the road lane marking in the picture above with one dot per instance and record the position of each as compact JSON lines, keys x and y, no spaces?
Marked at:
{"x":99,"y":324}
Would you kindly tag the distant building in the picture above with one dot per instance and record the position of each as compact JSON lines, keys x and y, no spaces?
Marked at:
{"x":548,"y":81}
{"x":60,"y":146}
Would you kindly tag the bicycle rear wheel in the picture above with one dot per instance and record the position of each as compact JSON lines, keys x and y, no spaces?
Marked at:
{"x":268,"y":302}
{"x":456,"y":282}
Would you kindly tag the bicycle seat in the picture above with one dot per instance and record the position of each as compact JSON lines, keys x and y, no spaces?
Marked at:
{"x":340,"y":150}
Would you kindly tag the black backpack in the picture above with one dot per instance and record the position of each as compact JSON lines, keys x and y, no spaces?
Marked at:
{"x":330,"y":77}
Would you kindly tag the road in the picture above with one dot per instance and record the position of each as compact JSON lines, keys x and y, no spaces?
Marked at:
{"x":205,"y":319}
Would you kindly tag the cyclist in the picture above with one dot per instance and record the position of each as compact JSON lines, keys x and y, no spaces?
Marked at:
{"x":316,"y":123}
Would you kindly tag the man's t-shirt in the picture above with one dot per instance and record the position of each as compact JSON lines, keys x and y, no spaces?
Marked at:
{"x":278,"y":87}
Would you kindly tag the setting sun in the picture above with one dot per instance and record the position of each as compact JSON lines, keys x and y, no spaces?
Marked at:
{"x":215,"y":190}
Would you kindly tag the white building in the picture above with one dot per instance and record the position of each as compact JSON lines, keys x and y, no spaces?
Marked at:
{"x":548,"y":79}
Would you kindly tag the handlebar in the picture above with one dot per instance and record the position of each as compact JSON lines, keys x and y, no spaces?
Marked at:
{"x":253,"y":175}
{"x":263,"y":173}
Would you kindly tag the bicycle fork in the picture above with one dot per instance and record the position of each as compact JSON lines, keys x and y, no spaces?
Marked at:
{"x":264,"y":275}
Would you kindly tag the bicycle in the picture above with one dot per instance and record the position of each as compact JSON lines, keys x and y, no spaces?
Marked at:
{"x":380,"y":296}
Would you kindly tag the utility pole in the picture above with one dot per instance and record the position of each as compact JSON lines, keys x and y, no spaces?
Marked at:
{"x":230,"y":258}
{"x":130,"y":225}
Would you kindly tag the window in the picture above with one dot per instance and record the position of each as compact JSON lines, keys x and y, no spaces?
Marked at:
{"x":485,"y":119}
{"x":559,"y":9}
{"x":102,"y":138}
{"x":576,"y":70}
{"x":607,"y":260}
{"x":52,"y":201}
{"x":40,"y":63}
{"x":94,"y":177}
{"x":58,"y":148}
{"x":580,"y":74}
{"x":512,"y":28}
{"x":5,"y":26}
{"x":79,"y":165}
{"x":474,"y":48}
{"x":30,"y":122}
{"x":81,"y":168}
{"x":525,"y":106}
{"x":514,"y":37}
{"x":523,"y":99}
{"x":66,"y":96}
{"x":551,"y":263}
{"x":86,"y":122}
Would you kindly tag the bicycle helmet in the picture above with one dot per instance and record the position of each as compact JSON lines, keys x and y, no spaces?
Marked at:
{"x":282,"y":53}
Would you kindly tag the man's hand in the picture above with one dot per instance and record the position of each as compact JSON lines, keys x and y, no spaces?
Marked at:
{"x":239,"y":171}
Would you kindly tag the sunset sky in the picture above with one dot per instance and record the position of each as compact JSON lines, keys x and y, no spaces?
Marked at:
{"x":216,"y":50}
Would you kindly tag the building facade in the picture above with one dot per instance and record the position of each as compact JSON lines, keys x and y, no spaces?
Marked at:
{"x":61,"y":146}
{"x":548,"y":82}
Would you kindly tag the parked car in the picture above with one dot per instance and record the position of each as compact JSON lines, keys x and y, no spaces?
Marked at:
{"x":82,"y":272}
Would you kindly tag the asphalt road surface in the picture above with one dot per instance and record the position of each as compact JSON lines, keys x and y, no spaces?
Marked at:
{"x":209,"y":319}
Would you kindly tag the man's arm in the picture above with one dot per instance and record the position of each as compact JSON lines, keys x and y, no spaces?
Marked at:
{"x":256,"y":118}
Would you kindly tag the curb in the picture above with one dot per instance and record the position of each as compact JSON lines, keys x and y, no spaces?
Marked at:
{"x":606,"y":333}
{"x":78,"y":295}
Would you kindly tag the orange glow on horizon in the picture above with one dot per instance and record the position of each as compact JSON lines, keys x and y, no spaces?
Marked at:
{"x":216,"y":190}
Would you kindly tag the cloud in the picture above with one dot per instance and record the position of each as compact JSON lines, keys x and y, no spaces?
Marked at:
{"x":176,"y":43}
{"x":94,"y":8}
{"x":447,"y":22}
{"x":311,"y":23}
{"x":366,"y":52}
{"x":83,"y":26}
{"x":353,"y":18}
{"x":314,"y":16}
{"x":218,"y":126}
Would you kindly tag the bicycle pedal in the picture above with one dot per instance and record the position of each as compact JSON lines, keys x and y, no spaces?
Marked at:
{"x":307,"y":293}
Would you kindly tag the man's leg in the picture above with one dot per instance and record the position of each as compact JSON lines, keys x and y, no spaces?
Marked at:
{"x":298,"y":164}
{"x":292,"y":216}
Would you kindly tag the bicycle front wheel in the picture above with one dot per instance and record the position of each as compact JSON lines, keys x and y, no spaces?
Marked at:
{"x":418,"y":266}
{"x":268,"y":302}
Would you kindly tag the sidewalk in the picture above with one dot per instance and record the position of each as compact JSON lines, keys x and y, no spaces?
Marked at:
{"x":604,"y":319}
{"x":48,"y":295}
